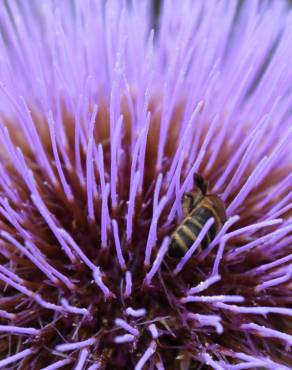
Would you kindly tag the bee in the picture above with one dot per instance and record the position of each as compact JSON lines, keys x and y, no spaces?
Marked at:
{"x":198,"y":208}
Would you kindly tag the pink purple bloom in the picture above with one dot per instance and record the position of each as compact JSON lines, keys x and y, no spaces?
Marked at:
{"x":105,"y":116}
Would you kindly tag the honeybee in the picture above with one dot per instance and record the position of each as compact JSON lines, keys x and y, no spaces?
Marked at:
{"x":198,"y":208}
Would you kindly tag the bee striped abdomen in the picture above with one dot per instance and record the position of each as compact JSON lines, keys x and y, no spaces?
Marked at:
{"x":202,"y":214}
{"x":185,"y":235}
{"x":198,"y":207}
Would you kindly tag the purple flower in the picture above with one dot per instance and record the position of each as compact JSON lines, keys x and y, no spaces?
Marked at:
{"x":104,"y":123}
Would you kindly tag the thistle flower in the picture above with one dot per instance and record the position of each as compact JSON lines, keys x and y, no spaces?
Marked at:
{"x":104,"y":122}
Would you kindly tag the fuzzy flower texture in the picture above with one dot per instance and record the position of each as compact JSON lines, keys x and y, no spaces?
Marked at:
{"x":107,"y":111}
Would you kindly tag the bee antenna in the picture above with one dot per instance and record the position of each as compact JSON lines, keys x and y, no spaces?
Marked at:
{"x":201,"y":183}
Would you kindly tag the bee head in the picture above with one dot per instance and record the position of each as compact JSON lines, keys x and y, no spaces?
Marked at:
{"x":201,"y":183}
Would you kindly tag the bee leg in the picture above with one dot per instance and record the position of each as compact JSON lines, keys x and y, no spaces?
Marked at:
{"x":187,"y":202}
